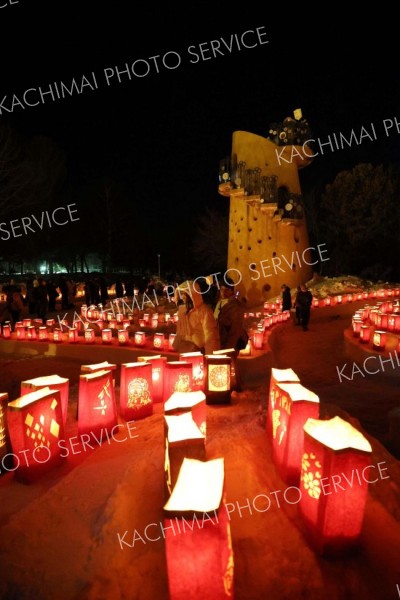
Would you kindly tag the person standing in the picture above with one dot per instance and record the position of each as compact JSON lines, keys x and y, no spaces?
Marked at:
{"x":42,"y":302}
{"x":297,"y":306}
{"x":304,"y":299}
{"x":286,"y":298}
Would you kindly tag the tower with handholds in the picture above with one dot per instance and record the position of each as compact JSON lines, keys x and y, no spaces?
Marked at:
{"x":268,"y":240}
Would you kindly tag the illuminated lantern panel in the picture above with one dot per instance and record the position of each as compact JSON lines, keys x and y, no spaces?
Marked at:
{"x":89,"y":336}
{"x":96,"y":404}
{"x":198,"y":544}
{"x":294,"y":404}
{"x":123,"y":336}
{"x":31,"y":333}
{"x":140,"y":338}
{"x":232,"y":353}
{"x":120,"y":317}
{"x":379,"y":340}
{"x":50,"y":322}
{"x":177,"y":378}
{"x":277,"y":376}
{"x":158,"y":341}
{"x":142,"y":322}
{"x":171,"y":339}
{"x":106,"y":336}
{"x":258,"y":339}
{"x":136,"y":391}
{"x":101,"y":325}
{"x":217,"y":379}
{"x":6,"y":330}
{"x":357,"y":323}
{"x":158,"y":367}
{"x":334,"y":484}
{"x":73,"y":335}
{"x":57,"y":335}
{"x":55,"y":383}
{"x":197,"y":361}
{"x":5,"y":445}
{"x":35,"y":426}
{"x":43,"y":334}
{"x":365,"y":334}
{"x":20,"y":331}
{"x":194,"y":402}
{"x":27,"y":322}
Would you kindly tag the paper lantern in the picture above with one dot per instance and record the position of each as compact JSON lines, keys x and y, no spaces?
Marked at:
{"x":217,"y":378}
{"x":381,"y":320}
{"x":38,"y":322}
{"x":394,"y":322}
{"x":146,"y":318}
{"x":193,"y":402}
{"x":136,"y":391}
{"x":197,"y":361}
{"x":277,"y":376}
{"x":356,"y":323}
{"x":177,"y":378}
{"x":339,"y":299}
{"x":171,"y":339}
{"x":5,"y":444}
{"x":198,"y":544}
{"x":43,"y":334}
{"x":31,"y":333}
{"x":120,"y":318}
{"x":6,"y":330}
{"x":123,"y":336}
{"x":232,"y":353}
{"x":158,"y":341}
{"x":140,"y":338}
{"x":379,"y":340}
{"x":365,"y":334}
{"x":315,"y":303}
{"x":113,"y":323}
{"x":89,"y":336}
{"x":126,"y":323}
{"x":20,"y":332}
{"x":103,"y":366}
{"x":334,"y":484}
{"x":176,"y":317}
{"x":96,"y":403}
{"x":258,"y":338}
{"x":106,"y":336}
{"x":327,"y":301}
{"x":294,"y":404}
{"x":50,"y":322}
{"x":158,"y":366}
{"x":142,"y":322}
{"x":101,"y":325}
{"x":57,"y":335}
{"x":27,"y":322}
{"x":35,"y":426}
{"x":73,"y":335}
{"x":54,"y":382}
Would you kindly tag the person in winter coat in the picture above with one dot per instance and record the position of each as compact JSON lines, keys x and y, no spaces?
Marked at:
{"x":196,"y":329}
{"x":286,"y":298}
{"x":304,"y":299}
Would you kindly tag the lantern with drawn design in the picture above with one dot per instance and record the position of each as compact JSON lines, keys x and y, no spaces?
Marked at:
{"x":96,"y":403}
{"x":136,"y":390}
{"x":54,"y":382}
{"x":157,"y":374}
{"x":177,"y":378}
{"x":277,"y":376}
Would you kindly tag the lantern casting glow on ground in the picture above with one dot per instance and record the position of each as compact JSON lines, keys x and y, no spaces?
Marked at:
{"x":96,"y":403}
{"x":136,"y":391}
{"x":193,"y":402}
{"x":334,"y":484}
{"x":54,"y":382}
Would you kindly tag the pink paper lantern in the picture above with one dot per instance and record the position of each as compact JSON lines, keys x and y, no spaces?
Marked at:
{"x":6,"y":331}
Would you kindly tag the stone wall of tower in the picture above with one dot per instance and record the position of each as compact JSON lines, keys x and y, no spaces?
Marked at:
{"x":265,"y":250}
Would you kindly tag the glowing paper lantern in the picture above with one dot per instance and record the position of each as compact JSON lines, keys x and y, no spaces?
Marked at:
{"x":103,"y":366}
{"x":120,"y":317}
{"x":101,"y":325}
{"x":38,"y":322}
{"x":198,"y":545}
{"x":6,"y":331}
{"x":142,"y":322}
{"x":158,"y":341}
{"x":106,"y":336}
{"x":43,"y":334}
{"x":339,"y":299}
{"x":5,"y":445}
{"x":73,"y":335}
{"x":177,"y":378}
{"x":89,"y":336}
{"x":54,"y":382}
{"x":357,"y":323}
{"x":193,"y":402}
{"x":171,"y":339}
{"x":277,"y":376}
{"x":123,"y":336}
{"x":50,"y":322}
{"x":334,"y":484}
{"x":379,"y":340}
{"x":27,"y":322}
{"x":146,"y":318}
{"x":35,"y":426}
{"x":31,"y":333}
{"x":217,"y":379}
{"x":232,"y":353}
{"x":136,"y":391}
{"x":57,"y":335}
{"x":96,"y":403}
{"x":20,"y":332}
{"x":381,"y":320}
{"x":294,"y":404}
{"x":158,"y":366}
{"x":197,"y":361}
{"x":258,"y":338}
{"x":140,"y":338}
{"x":365,"y":334}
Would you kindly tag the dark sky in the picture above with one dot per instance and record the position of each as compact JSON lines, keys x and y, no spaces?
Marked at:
{"x":161,"y":136}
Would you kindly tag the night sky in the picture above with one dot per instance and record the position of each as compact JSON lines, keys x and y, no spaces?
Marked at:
{"x":161,"y":136}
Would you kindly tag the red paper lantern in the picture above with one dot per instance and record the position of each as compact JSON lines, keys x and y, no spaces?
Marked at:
{"x":176,"y":317}
{"x":171,"y":339}
{"x":193,"y":402}
{"x":73,"y":335}
{"x":54,"y":382}
{"x":140,"y":338}
{"x":198,"y":544}
{"x":158,"y":367}
{"x":136,"y":391}
{"x":57,"y":335}
{"x":89,"y":336}
{"x":334,"y":484}
{"x":5,"y":444}
{"x":6,"y":330}
{"x":217,"y":378}
{"x":146,"y":318}
{"x":357,"y":323}
{"x":123,"y":336}
{"x":197,"y":361}
{"x":96,"y":403}
{"x":20,"y":332}
{"x":278,"y":376}
{"x":339,"y":299}
{"x":381,"y":320}
{"x":379,"y":340}
{"x":142,"y":322}
{"x":315,"y":303}
{"x":27,"y":322}
{"x":294,"y":404}
{"x":38,"y":322}
{"x":106,"y":336}
{"x":35,"y":426}
{"x":31,"y":333}
{"x":327,"y":301}
{"x":158,"y":341}
{"x":50,"y":322}
{"x":101,"y":325}
{"x":258,"y":338}
{"x":177,"y":378}
{"x":365,"y":334}
{"x":113,"y":324}
{"x":43,"y":334}
{"x":120,"y":317}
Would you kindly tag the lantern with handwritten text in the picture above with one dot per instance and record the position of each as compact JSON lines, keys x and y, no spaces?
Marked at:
{"x":43,"y":334}
{"x":54,"y":382}
{"x":35,"y":425}
{"x":177,"y":378}
{"x":334,"y":484}
{"x":136,"y":391}
{"x":106,"y":336}
{"x":96,"y":403}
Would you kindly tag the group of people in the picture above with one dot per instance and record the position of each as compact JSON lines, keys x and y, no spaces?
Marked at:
{"x":302,"y":304}
{"x":199,"y":328}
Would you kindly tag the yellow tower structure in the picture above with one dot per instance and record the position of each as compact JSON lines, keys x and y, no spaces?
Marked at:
{"x":268,"y":240}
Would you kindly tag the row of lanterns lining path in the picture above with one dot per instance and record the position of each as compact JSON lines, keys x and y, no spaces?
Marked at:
{"x":378,"y":325}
